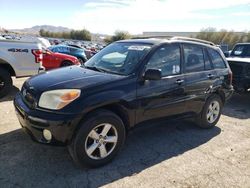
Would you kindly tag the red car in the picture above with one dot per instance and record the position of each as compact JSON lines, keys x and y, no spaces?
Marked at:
{"x":53,"y":60}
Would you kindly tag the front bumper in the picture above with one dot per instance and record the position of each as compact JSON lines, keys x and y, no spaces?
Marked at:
{"x":34,"y":121}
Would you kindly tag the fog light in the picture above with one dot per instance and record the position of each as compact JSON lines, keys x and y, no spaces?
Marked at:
{"x":47,"y":134}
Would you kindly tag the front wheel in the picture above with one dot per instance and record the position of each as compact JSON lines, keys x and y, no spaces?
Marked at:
{"x":211,"y":112}
{"x":98,"y":140}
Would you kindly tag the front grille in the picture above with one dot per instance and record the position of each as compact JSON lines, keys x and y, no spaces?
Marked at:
{"x":236,"y":68}
{"x":28,"y":96}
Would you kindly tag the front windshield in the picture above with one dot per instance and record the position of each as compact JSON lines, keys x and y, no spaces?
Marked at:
{"x":241,"y":51}
{"x":119,"y":58}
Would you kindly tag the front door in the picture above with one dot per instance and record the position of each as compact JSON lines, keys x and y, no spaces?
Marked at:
{"x":164,"y":97}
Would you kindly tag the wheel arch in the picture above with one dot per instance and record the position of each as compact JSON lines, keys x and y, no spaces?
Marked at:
{"x":8,"y":67}
{"x":115,"y":108}
{"x":221,"y":94}
{"x":66,"y":61}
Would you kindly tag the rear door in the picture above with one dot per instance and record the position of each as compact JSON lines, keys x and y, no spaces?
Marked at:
{"x":199,"y":76}
{"x":164,"y":97}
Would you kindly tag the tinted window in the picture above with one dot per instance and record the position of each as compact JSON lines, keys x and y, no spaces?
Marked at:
{"x":75,"y":50}
{"x":167,"y":59}
{"x":194,"y":59}
{"x":217,"y":60}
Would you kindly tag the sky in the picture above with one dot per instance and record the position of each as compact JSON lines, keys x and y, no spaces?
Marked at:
{"x":134,"y":16}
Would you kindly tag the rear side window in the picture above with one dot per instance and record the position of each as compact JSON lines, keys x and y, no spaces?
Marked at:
{"x":73,"y":50}
{"x":194,"y":58}
{"x":216,"y":58}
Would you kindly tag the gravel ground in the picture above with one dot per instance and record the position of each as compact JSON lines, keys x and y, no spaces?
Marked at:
{"x":160,"y":154}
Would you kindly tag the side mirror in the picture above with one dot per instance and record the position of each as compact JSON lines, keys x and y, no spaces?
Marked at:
{"x":152,"y":74}
{"x":227,"y":53}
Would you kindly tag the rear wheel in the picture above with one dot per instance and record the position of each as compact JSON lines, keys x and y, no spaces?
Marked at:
{"x":98,"y":140}
{"x":66,"y":64}
{"x":5,"y":82}
{"x":211,"y":112}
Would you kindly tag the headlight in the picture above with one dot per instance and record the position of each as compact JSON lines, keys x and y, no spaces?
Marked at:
{"x":57,"y":99}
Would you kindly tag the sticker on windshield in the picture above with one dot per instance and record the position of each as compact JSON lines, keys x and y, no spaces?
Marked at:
{"x":138,"y":48}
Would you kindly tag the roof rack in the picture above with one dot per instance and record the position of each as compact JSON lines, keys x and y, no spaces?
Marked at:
{"x":158,"y":36}
{"x":193,"y":39}
{"x":168,"y":37}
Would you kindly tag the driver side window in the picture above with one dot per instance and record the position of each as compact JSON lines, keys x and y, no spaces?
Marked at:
{"x":166,"y":58}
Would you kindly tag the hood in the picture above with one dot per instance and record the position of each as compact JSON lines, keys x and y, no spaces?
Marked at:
{"x":239,"y":59}
{"x":60,"y":55}
{"x":73,"y":77}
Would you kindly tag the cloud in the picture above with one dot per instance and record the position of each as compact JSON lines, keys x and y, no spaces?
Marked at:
{"x":241,"y":14}
{"x":139,"y":15}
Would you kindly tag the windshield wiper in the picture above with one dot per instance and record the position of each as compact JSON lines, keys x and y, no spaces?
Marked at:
{"x":101,"y":70}
{"x":94,"y":68}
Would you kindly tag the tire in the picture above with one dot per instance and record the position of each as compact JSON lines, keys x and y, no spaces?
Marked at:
{"x":80,"y":149}
{"x":5,"y":82}
{"x":208,"y":118}
{"x":66,"y":63}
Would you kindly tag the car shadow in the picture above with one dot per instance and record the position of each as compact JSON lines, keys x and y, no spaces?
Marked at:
{"x":10,"y":96}
{"x":28,"y":164}
{"x":238,"y":106}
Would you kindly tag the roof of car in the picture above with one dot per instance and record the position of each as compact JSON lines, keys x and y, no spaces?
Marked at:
{"x":152,"y":41}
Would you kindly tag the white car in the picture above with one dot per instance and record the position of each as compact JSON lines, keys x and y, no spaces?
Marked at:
{"x":2,"y":38}
{"x":19,"y":59}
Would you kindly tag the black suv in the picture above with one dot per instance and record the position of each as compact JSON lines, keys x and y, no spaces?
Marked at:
{"x":90,"y":108}
{"x":239,"y":61}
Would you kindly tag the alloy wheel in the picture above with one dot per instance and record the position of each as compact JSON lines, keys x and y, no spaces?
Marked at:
{"x":213,"y":111}
{"x":101,"y":141}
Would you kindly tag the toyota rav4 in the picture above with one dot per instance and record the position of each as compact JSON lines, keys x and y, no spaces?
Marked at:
{"x":91,"y":108}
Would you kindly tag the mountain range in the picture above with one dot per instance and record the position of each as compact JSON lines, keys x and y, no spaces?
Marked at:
{"x":37,"y":28}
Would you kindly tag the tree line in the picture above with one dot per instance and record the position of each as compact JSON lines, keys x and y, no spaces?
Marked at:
{"x":210,"y":34}
{"x":223,"y":36}
{"x":73,"y":34}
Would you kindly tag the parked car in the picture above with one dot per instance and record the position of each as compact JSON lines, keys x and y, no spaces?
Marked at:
{"x":18,"y":59}
{"x":91,"y":108}
{"x":8,"y":37}
{"x":88,"y":53}
{"x":239,"y":61}
{"x":2,"y":38}
{"x":53,"y":60}
{"x":77,"y":52}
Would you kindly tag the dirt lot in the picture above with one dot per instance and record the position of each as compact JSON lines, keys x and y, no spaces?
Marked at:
{"x":160,"y":154}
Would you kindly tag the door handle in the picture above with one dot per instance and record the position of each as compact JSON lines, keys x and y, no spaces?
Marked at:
{"x":179,"y":81}
{"x":210,"y":76}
